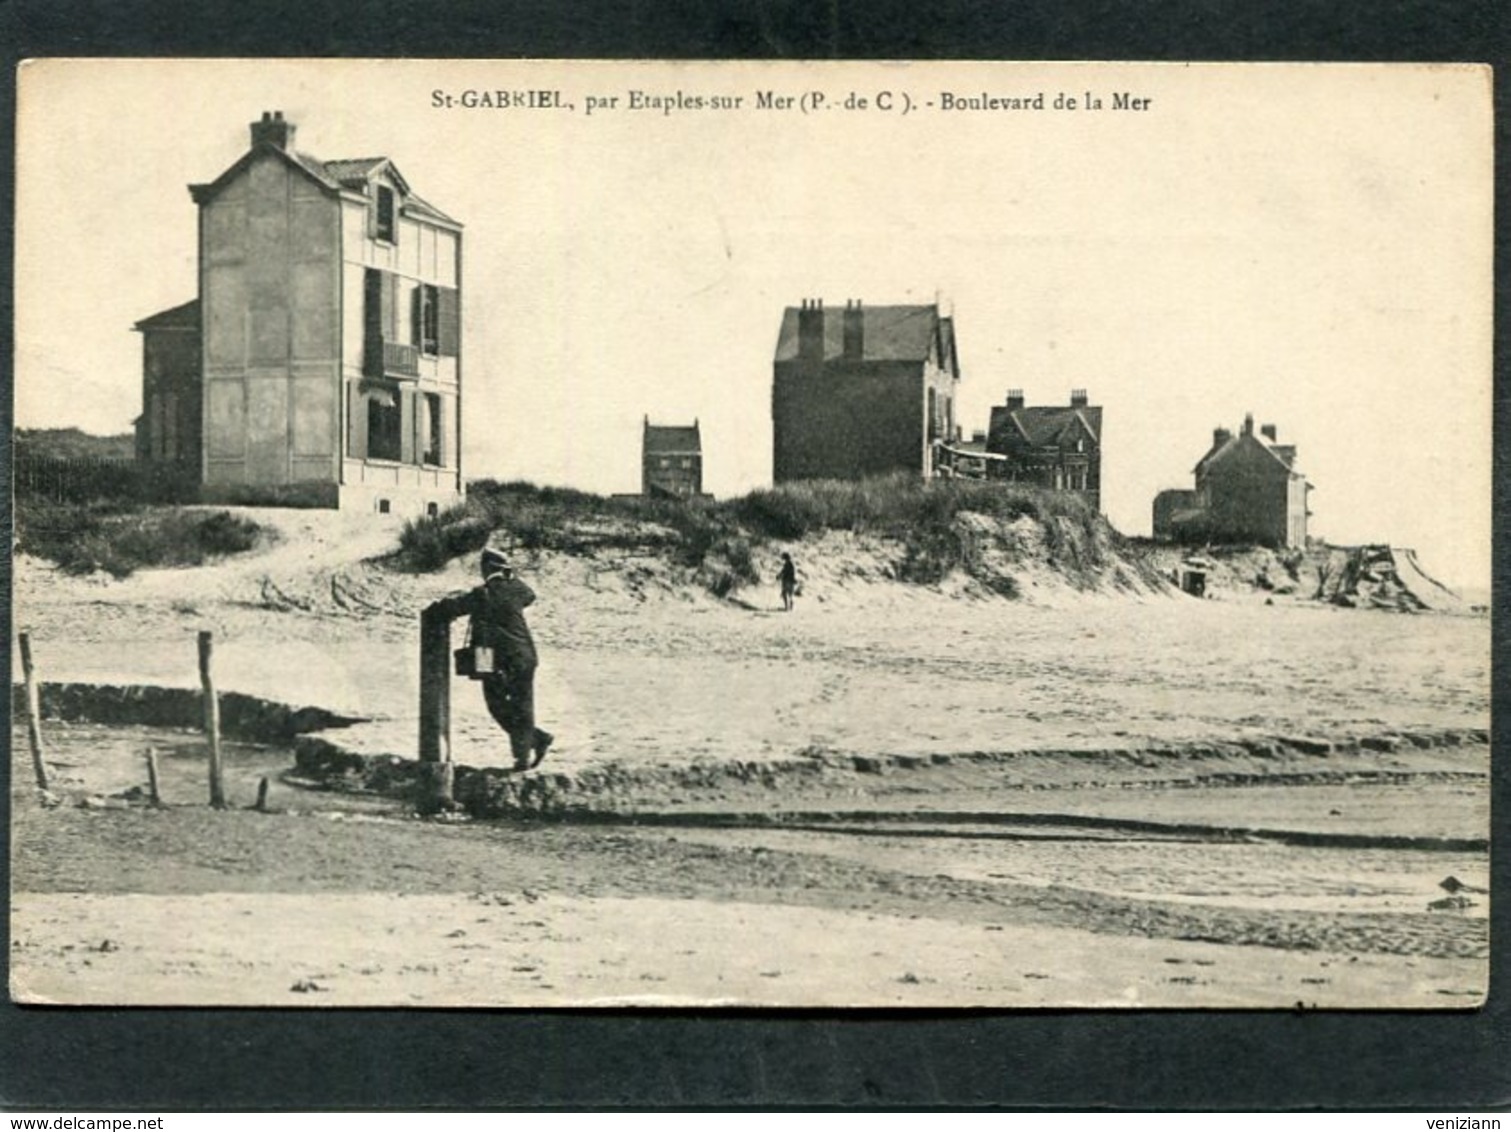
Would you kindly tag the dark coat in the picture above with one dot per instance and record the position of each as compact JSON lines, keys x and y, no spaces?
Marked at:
{"x":497,"y":610}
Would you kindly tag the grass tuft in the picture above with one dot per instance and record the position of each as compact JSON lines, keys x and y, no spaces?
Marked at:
{"x":122,"y":537}
{"x":721,"y":541}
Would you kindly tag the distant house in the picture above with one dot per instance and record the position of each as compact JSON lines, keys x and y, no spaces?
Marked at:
{"x":1247,"y":490}
{"x":321,"y":362}
{"x":671,"y":461}
{"x":1058,"y":447}
{"x":861,"y":391}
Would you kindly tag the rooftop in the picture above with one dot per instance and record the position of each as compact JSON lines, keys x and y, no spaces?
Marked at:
{"x":896,"y":333}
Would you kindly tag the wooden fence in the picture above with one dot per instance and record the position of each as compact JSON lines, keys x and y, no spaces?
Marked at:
{"x":78,"y":479}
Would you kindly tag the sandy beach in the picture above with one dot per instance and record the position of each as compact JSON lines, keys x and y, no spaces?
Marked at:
{"x":948,"y":799}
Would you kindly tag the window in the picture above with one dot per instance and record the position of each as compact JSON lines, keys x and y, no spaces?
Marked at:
{"x":383,"y":227}
{"x":430,"y":405}
{"x":384,"y":427}
{"x":427,"y":318}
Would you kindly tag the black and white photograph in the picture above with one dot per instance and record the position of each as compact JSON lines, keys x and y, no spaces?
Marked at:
{"x":779,"y":535}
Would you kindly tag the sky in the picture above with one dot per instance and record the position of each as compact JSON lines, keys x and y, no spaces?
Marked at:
{"x":1309,"y":243}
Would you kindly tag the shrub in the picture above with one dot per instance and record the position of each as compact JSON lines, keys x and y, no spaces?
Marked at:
{"x":121,"y":538}
{"x":430,"y":542}
{"x":719,"y":540}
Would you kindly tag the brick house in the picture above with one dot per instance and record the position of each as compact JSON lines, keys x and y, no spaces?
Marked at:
{"x":321,"y":363}
{"x":671,"y":461}
{"x":1248,"y":490}
{"x":1058,"y":447}
{"x":862,"y":391}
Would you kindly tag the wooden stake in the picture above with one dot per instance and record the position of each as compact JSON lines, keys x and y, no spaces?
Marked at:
{"x":435,"y":685}
{"x":212,"y":720}
{"x":152,"y":780}
{"x":435,"y":709}
{"x":33,"y":713}
{"x":262,"y":796}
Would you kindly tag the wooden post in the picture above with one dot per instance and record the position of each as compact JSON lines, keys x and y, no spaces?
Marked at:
{"x":435,"y":708}
{"x":152,"y":780}
{"x":435,"y":685}
{"x":212,"y":720}
{"x":262,"y":796}
{"x":33,"y":713}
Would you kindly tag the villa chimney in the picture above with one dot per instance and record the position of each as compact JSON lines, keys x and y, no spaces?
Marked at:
{"x":1248,"y":424}
{"x":1268,"y":432}
{"x":273,"y":130}
{"x":1014,"y":399}
{"x":855,"y":332}
{"x":1078,"y":398}
{"x":810,"y":331}
{"x":1220,"y":436}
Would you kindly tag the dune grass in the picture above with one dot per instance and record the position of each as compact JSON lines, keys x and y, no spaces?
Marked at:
{"x":121,"y":537}
{"x":721,"y":539}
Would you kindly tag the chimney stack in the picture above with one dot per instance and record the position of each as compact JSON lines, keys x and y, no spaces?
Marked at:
{"x":273,"y":130}
{"x":1078,"y":398}
{"x":1220,"y":436}
{"x":1248,"y":424}
{"x":810,"y":331}
{"x":855,"y":332}
{"x":1014,"y":399}
{"x":1268,"y":432}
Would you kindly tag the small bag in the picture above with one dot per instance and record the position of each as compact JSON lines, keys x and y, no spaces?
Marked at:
{"x":475,"y":662}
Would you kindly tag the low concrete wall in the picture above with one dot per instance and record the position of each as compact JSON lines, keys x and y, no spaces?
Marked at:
{"x":607,"y":793}
{"x":242,"y":717}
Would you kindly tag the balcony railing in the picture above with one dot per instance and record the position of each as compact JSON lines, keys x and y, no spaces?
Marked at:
{"x":401,"y":359}
{"x":393,"y":359}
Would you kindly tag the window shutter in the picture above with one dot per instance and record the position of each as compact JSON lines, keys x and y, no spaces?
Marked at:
{"x":421,"y":427}
{"x":389,"y":307}
{"x":449,"y":313}
{"x":372,"y":322}
{"x":356,"y":422}
{"x":417,"y":317}
{"x":407,"y":415}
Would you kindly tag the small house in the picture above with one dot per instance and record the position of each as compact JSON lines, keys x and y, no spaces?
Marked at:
{"x":1248,"y":490}
{"x":671,"y":461}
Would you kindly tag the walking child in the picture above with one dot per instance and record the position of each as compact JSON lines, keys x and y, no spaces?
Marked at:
{"x":788,"y":578}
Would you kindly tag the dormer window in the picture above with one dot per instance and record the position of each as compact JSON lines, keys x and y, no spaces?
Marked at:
{"x":383,"y":227}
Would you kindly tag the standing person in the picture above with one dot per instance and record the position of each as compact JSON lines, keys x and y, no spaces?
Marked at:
{"x":497,"y":609}
{"x":788,"y":578}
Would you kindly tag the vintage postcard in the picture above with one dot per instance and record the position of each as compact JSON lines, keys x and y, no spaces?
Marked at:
{"x":774,"y":534}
